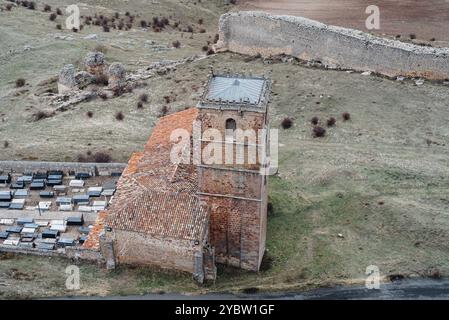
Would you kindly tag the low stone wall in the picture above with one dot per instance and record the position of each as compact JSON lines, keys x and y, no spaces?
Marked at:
{"x":261,"y":33}
{"x":69,"y":252}
{"x":34,"y":166}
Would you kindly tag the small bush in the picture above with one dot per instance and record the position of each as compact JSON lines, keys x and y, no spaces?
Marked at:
{"x":75,"y":29}
{"x":202,"y":30}
{"x":106,"y":28}
{"x":89,"y":114}
{"x":8,"y":7}
{"x":58,"y":12}
{"x":176,"y":44}
{"x":314,"y":121}
{"x":116,"y":15}
{"x":119,"y":116}
{"x":346,"y":116}
{"x":102,"y":157}
{"x":287,"y":123}
{"x":143,"y":97}
{"x":103,"y":95}
{"x":189,"y":29}
{"x":432,"y":39}
{"x":164,"y":110}
{"x":20,"y":82}
{"x":58,"y":26}
{"x":30,"y":5}
{"x":205,"y":48}
{"x":331,"y":122}
{"x":52,"y":17}
{"x":139,"y":105}
{"x":200,"y":21}
{"x":217,"y":37}
{"x":143,"y":23}
{"x":319,"y":132}
{"x":41,"y":115}
{"x":210,"y":51}
{"x":6,"y":144}
{"x":412,"y":36}
{"x":47,"y":8}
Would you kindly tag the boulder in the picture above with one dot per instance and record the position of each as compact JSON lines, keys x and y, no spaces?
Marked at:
{"x":95,"y":63}
{"x":83,"y":79}
{"x":66,"y":81}
{"x":117,"y":75}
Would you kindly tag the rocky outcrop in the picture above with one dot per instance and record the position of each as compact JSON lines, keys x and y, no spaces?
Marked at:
{"x":261,"y":33}
{"x":117,"y":75}
{"x":66,"y":81}
{"x":95,"y":63}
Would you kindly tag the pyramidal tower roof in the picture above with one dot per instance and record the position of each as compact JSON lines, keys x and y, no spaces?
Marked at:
{"x":236,"y":92}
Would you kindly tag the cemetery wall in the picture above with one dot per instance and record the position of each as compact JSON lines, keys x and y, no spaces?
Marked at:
{"x":255,"y":33}
{"x":33,"y":166}
{"x":69,"y":252}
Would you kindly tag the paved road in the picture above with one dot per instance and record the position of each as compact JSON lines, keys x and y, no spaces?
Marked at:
{"x":423,"y":289}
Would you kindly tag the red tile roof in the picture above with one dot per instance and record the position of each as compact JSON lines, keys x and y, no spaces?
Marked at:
{"x":156,"y":196}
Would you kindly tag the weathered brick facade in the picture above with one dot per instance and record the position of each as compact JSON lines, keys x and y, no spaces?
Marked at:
{"x":236,"y":192}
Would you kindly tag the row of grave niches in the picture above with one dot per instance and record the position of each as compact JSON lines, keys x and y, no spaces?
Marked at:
{"x":36,"y":193}
{"x":39,"y":180}
{"x":43,"y":234}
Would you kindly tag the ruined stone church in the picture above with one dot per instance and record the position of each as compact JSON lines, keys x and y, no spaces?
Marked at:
{"x":189,"y":216}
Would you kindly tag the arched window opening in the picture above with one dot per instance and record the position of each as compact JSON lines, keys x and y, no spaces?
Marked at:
{"x":231,"y":125}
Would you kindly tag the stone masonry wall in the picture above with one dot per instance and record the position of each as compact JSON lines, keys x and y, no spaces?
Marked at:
{"x":261,"y":33}
{"x":138,"y":248}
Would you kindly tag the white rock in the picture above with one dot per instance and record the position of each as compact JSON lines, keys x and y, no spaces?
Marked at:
{"x":366,"y":73}
{"x":91,"y":36}
{"x":419,"y":82}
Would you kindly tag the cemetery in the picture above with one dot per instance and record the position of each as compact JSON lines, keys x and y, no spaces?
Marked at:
{"x":49,"y":211}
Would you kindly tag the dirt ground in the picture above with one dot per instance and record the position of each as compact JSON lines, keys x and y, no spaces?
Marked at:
{"x":425,"y":19}
{"x":373,"y":191}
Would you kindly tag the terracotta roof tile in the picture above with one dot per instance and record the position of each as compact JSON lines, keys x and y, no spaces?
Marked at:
{"x":155,"y":195}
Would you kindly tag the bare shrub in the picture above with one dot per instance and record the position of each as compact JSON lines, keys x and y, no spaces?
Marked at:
{"x":176,"y":44}
{"x":331,"y":122}
{"x":102,"y":157}
{"x":314,"y":121}
{"x":20,"y":82}
{"x":287,"y":123}
{"x":42,"y":115}
{"x":89,"y":114}
{"x":119,"y":116}
{"x":346,"y":116}
{"x":58,"y":26}
{"x":139,"y":105}
{"x":143,"y":97}
{"x":52,"y":17}
{"x":164,"y":110}
{"x":47,"y":8}
{"x":319,"y":132}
